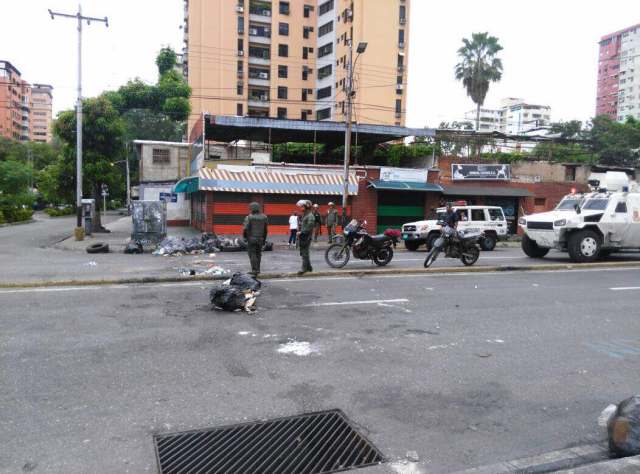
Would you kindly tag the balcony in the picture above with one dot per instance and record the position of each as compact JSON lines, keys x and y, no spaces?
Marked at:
{"x":258,"y":98}
{"x":259,"y":78}
{"x":259,"y":35}
{"x":259,"y":56}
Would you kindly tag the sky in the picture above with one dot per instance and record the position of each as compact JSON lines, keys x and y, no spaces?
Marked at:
{"x":550,"y":49}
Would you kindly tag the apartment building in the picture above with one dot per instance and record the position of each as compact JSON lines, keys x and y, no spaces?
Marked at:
{"x":618,"y":93}
{"x":41,"y":112}
{"x":514,"y":116}
{"x":289,"y":59}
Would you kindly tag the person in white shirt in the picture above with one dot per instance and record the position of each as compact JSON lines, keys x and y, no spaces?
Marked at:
{"x":293,"y":228}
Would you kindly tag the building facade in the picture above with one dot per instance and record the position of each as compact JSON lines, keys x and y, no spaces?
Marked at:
{"x":41,"y":112}
{"x":618,"y":94}
{"x":289,"y":59}
{"x":514,"y":117}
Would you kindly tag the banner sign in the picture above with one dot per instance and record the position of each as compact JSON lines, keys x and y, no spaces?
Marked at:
{"x":480,"y":172}
{"x":169,"y":197}
{"x":403,"y":174}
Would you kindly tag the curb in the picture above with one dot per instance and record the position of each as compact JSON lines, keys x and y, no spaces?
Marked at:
{"x":9,"y":224}
{"x":328,"y":273}
{"x":622,"y":466}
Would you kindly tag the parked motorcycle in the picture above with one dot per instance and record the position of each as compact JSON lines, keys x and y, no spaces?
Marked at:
{"x":377,"y":248}
{"x":463,"y":245}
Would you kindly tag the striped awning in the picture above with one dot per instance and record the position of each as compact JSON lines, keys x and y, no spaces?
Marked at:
{"x":274,"y":182}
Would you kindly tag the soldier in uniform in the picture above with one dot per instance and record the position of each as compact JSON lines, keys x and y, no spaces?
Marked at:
{"x":306,"y":235}
{"x":255,"y":231}
{"x":332,"y":221}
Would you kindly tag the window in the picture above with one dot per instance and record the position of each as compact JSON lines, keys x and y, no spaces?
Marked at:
{"x":401,"y":36}
{"x":324,"y":92}
{"x":403,"y":14}
{"x":283,"y":29}
{"x":283,"y":50}
{"x":596,"y":204}
{"x":240,"y":25}
{"x":325,"y":71}
{"x":303,"y":115}
{"x":323,"y":114}
{"x":161,"y":156}
{"x":284,"y":8}
{"x":305,"y":52}
{"x":282,"y":112}
{"x":326,"y":28}
{"x":325,"y":50}
{"x":307,"y":10}
{"x":306,"y":93}
{"x":239,"y":110}
{"x":463,"y":214}
{"x":239,"y":88}
{"x":240,"y":68}
{"x":282,"y":92}
{"x":540,"y":202}
{"x":477,"y":215}
{"x":240,"y":44}
{"x":213,"y":158}
{"x":306,"y":31}
{"x":496,"y":214}
{"x":305,"y":73}
{"x":570,"y":173}
{"x":621,"y":207}
{"x":283,"y":72}
{"x":326,"y":7}
{"x":398,"y":106}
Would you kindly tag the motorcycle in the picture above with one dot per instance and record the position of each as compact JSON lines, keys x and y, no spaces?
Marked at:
{"x":463,"y":245}
{"x":377,"y":248}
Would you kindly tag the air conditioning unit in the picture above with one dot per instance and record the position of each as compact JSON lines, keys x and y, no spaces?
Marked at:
{"x":263,"y":75}
{"x":240,"y":53}
{"x":399,"y":87}
{"x":401,"y":45}
{"x":253,"y":31}
{"x":403,"y":21}
{"x":239,"y":8}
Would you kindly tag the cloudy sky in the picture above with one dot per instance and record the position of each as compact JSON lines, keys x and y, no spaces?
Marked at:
{"x":550,"y":48}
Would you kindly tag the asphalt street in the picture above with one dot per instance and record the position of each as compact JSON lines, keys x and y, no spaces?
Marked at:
{"x":465,"y":369}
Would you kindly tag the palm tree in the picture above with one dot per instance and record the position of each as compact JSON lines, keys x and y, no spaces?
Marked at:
{"x":478,"y":67}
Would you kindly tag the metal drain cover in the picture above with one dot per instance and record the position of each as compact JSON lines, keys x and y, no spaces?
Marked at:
{"x":313,"y":443}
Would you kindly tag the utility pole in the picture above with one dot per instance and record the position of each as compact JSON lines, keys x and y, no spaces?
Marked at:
{"x":80,"y":18}
{"x":347,"y":135}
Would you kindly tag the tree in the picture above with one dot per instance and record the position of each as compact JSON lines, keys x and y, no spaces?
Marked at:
{"x":166,"y":60}
{"x":616,"y":143}
{"x":103,"y":132}
{"x":478,"y":67}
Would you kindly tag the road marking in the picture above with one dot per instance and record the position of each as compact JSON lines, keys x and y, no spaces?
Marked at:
{"x":625,"y":288}
{"x":349,"y":303}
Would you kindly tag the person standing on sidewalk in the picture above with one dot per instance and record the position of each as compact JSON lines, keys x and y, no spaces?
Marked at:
{"x":332,"y":221}
{"x":317,"y":230}
{"x":293,"y":228}
{"x":306,"y":235}
{"x":255,"y":231}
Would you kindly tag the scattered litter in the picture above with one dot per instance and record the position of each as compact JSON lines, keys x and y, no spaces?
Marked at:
{"x":535,"y":284}
{"x":207,"y":243}
{"x":412,"y":456}
{"x":134,"y":247}
{"x":243,"y":333}
{"x":298,"y":348}
{"x":92,"y":263}
{"x":623,"y":428}
{"x":211,"y":271}
{"x":405,"y":467}
{"x":495,"y":341}
{"x":484,"y":355}
{"x":238,"y":293}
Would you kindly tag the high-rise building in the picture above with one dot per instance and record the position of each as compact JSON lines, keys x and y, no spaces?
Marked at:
{"x":288,"y":59}
{"x":25,"y":111}
{"x":618,"y":94}
{"x":41,"y":114}
{"x":515,"y":116}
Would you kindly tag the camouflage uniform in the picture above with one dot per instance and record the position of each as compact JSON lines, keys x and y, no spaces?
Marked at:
{"x":332,"y":222}
{"x":306,"y":235}
{"x":255,"y":231}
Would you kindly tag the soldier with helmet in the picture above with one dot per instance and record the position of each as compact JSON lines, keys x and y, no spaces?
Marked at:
{"x":255,"y":232}
{"x":307,"y":227}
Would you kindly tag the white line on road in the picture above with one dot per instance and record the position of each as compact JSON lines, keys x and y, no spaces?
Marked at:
{"x":347,"y":303}
{"x":625,"y":288}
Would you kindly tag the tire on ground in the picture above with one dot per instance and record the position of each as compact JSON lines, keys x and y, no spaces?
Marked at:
{"x":98,"y":247}
{"x":584,"y":246}
{"x":488,"y":242}
{"x":412,"y":245}
{"x":531,"y":249}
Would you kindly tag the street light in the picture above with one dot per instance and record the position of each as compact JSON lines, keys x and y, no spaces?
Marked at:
{"x":362,"y":47}
{"x":126,"y":162}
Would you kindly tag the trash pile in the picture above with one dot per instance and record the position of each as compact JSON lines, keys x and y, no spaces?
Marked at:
{"x":623,"y":427}
{"x":239,"y":293}
{"x":212,"y":271}
{"x":133,"y":247}
{"x":206,"y":243}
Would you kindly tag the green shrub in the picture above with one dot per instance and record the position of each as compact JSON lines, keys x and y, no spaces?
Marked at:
{"x":15,"y":214}
{"x":55,"y":212}
{"x":2,"y":221}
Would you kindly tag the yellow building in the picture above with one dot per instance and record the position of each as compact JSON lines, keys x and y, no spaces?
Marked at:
{"x":289,"y":59}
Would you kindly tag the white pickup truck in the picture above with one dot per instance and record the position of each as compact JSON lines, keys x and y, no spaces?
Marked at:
{"x":589,"y":225}
{"x":489,"y":220}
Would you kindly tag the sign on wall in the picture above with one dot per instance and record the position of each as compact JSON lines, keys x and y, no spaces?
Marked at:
{"x":480,"y":172}
{"x":403,"y":174}
{"x":169,"y":197}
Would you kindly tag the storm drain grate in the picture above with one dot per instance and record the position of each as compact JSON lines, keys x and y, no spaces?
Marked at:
{"x":317,"y":443}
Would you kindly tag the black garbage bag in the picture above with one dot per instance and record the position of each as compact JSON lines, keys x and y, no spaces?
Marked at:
{"x":194,"y":244}
{"x":624,"y":428}
{"x":228,"y":298}
{"x":245,"y":282}
{"x":267,"y":247}
{"x":134,"y":246}
{"x":211,"y":246}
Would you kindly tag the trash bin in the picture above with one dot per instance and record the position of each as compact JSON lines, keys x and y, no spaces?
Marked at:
{"x":88,"y":214}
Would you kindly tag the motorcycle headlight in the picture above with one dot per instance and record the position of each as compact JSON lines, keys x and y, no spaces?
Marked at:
{"x":522,"y":221}
{"x":560,"y":223}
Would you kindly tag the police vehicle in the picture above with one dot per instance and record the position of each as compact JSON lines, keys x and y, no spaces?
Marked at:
{"x":489,"y":220}
{"x":589,"y":225}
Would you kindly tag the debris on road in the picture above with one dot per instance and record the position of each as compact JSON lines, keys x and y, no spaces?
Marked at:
{"x":623,"y":427}
{"x":299,"y":348}
{"x":206,"y":243}
{"x":98,"y":247}
{"x":134,"y":247}
{"x":212,"y":270}
{"x":239,"y":293}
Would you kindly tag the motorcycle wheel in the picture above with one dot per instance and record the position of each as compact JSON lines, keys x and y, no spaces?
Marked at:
{"x":383,"y":257}
{"x":470,"y":256}
{"x":431,"y":257}
{"x":337,"y":255}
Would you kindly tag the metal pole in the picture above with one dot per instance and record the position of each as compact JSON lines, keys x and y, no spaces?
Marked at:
{"x":347,"y":135}
{"x":79,"y":124}
{"x":126,"y":160}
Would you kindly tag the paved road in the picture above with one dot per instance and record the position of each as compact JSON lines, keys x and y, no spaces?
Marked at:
{"x":465,"y":369}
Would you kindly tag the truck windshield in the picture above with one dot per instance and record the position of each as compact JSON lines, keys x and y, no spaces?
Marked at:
{"x":568,"y":204}
{"x":596,"y":204}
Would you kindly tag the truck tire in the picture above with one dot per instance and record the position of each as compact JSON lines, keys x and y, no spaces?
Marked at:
{"x":412,"y":245}
{"x":98,"y":247}
{"x":531,"y":249}
{"x":433,"y":236}
{"x":584,"y":246}
{"x":488,"y":242}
